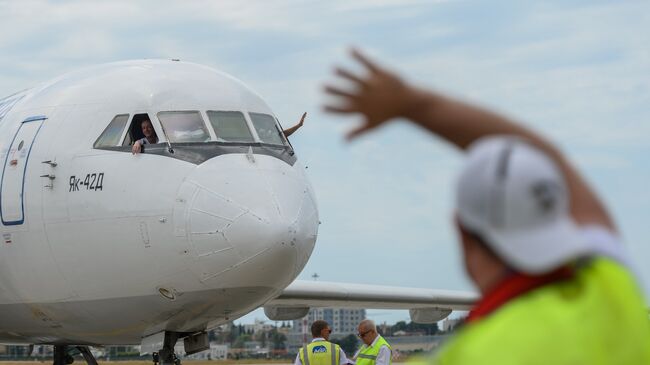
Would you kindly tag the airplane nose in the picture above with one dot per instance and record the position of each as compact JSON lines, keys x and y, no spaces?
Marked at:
{"x":253,"y":221}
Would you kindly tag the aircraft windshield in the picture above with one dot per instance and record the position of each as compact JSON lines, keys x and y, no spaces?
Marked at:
{"x":183,"y":127}
{"x":266,"y":128}
{"x":230,"y":126}
{"x":112,"y":133}
{"x":186,"y":136}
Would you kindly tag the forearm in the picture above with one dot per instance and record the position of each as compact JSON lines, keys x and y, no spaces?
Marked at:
{"x":461,"y":124}
{"x":289,"y":131}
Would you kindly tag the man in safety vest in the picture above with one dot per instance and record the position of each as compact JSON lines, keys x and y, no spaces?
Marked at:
{"x":537,"y":241}
{"x":375,"y":350}
{"x":320,"y":351}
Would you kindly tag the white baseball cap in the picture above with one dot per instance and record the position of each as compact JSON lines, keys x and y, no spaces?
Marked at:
{"x":515,"y":198}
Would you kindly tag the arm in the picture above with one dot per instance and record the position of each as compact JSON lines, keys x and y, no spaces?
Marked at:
{"x":381,"y":96}
{"x":289,"y":131}
{"x":383,"y":357}
{"x":137,"y":147}
{"x":343,"y":360}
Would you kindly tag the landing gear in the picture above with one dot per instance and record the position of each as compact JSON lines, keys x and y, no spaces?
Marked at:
{"x":62,"y":355}
{"x":172,"y":360}
{"x":166,"y":356}
{"x":88,"y":356}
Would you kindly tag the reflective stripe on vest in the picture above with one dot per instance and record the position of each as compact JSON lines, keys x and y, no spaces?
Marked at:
{"x":309,"y":357}
{"x":371,"y":357}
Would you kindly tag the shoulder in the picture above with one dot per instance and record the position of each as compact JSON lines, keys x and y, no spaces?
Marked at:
{"x":551,"y":319}
{"x":384,"y":347}
{"x":493,"y":340}
{"x":604,"y":241}
{"x":382,"y":341}
{"x":609,"y":262}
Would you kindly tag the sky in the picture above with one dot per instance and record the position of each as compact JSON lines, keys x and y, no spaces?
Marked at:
{"x":576,"y":71}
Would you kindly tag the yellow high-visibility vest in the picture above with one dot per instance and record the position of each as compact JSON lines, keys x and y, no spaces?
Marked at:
{"x":368,"y":354}
{"x":320,"y":353}
{"x":598,"y":317}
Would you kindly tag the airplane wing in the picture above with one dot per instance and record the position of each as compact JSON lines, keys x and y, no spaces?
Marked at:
{"x":425,"y":305}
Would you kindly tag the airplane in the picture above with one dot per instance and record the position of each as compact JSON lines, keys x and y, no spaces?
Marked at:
{"x":101,"y":246}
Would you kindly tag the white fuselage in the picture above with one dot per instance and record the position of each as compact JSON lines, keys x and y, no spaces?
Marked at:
{"x":100,"y":246}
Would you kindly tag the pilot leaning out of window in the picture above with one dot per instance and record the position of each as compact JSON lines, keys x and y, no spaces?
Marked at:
{"x":150,"y":136}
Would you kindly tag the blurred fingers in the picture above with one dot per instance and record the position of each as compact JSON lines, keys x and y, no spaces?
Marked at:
{"x":335,"y":91}
{"x":365,"y":61}
{"x":339,"y":109}
{"x":350,"y":76}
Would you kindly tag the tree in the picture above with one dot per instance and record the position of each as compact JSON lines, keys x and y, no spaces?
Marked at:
{"x":241,"y":340}
{"x":277,"y":339}
{"x":348,"y":343}
{"x":263,"y":338}
{"x":429,"y":329}
{"x":233,"y":333}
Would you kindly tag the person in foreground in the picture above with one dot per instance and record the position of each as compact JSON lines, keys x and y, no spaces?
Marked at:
{"x":320,"y":351}
{"x":375,"y":350}
{"x":536,"y":240}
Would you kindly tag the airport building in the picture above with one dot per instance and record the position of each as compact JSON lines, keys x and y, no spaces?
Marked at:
{"x":343,"y":322}
{"x":449,"y":324}
{"x":258,"y":326}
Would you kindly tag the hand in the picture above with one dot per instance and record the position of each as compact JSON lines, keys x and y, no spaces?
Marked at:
{"x":379,"y":96}
{"x":137,"y":147}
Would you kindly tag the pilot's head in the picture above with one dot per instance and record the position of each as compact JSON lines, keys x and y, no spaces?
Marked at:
{"x":147,"y":128}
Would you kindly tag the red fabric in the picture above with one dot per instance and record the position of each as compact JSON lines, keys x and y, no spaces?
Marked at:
{"x":513,"y":286}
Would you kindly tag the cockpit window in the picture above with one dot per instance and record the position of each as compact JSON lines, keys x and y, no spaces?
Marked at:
{"x":184,"y":126}
{"x":111,"y":135}
{"x":135,"y":131}
{"x":266,"y":128}
{"x":230,"y":126}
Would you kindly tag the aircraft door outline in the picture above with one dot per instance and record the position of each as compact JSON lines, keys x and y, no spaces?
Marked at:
{"x":12,"y":185}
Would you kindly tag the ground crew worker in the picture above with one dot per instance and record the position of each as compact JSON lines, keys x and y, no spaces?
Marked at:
{"x":375,"y":350}
{"x":536,"y":240}
{"x":320,"y":351}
